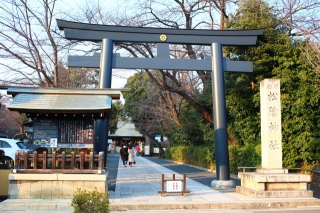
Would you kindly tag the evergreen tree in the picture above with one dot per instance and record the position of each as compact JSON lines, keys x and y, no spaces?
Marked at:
{"x":276,"y":56}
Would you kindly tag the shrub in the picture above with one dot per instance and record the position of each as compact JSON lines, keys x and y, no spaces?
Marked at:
{"x":167,"y":154}
{"x":200,"y":156}
{"x":85,"y":201}
{"x":249,"y":156}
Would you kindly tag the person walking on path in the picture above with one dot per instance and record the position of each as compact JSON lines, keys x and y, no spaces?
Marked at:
{"x":138,"y":150}
{"x":131,"y":158}
{"x":124,"y":155}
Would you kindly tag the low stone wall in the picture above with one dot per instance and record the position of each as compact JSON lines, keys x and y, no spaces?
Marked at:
{"x":54,"y":186}
{"x":315,"y":185}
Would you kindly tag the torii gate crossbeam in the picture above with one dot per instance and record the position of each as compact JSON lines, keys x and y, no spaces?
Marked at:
{"x":164,"y":37}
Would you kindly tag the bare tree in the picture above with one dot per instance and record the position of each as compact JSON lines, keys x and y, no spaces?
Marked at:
{"x":312,"y":53}
{"x":77,"y":77}
{"x":178,"y":15}
{"x":157,"y":112}
{"x":301,"y":17}
{"x":28,"y":42}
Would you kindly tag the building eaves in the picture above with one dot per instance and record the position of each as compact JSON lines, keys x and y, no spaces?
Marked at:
{"x":48,"y":103}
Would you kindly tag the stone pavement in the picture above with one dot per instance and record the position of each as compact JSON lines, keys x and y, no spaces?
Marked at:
{"x":137,"y":191}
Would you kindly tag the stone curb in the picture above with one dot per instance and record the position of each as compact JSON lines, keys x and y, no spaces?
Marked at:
{"x":218,"y":205}
{"x":27,"y":205}
{"x":50,"y":205}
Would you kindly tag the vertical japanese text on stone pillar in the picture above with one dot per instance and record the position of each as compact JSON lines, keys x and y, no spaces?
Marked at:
{"x":271,"y":123}
{"x":273,"y":98}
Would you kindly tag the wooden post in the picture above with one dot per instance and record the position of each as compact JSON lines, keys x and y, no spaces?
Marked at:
{"x":91,"y":161}
{"x":162,"y":187}
{"x":17,"y":160}
{"x":44,"y":160}
{"x":63,"y":160}
{"x":25,"y":158}
{"x":72,"y":161}
{"x":184,"y":185}
{"x":35,"y":159}
{"x":53,"y":160}
{"x":81,"y":158}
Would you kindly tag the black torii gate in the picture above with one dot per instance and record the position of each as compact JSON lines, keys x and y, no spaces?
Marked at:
{"x":163,"y":37}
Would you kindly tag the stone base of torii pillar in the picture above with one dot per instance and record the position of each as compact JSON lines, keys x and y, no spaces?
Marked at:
{"x":272,"y":181}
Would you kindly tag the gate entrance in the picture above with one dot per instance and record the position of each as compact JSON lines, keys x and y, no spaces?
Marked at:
{"x":163,"y":37}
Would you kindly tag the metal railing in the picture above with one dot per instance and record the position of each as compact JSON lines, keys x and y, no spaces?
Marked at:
{"x":304,"y":170}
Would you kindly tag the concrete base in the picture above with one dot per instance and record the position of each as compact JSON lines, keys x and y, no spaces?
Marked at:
{"x":274,"y":185}
{"x":54,"y":186}
{"x":223,"y":184}
{"x":274,"y":194}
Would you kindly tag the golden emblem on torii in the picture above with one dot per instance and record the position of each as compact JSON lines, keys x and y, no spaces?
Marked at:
{"x":163,"y":37}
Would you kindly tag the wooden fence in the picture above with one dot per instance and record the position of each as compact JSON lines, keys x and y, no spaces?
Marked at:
{"x":34,"y":162}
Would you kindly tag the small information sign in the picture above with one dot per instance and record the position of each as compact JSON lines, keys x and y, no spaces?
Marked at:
{"x":147,"y":150}
{"x":174,"y":186}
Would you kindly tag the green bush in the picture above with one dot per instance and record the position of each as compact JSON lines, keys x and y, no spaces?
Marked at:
{"x":246,"y":156}
{"x":85,"y":201}
{"x":194,"y":155}
{"x":167,"y":153}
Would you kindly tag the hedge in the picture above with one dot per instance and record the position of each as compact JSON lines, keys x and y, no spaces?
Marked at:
{"x":199,"y":156}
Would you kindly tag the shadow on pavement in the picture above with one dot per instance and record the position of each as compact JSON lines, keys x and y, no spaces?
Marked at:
{"x":200,"y":175}
{"x":112,"y":168}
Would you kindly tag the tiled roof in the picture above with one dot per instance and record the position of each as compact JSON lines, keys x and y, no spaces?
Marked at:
{"x":126,"y":129}
{"x":114,"y":93}
{"x":64,"y":103}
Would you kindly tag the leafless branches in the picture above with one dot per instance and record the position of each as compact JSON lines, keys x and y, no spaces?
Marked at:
{"x":302,"y":17}
{"x":26,"y":35}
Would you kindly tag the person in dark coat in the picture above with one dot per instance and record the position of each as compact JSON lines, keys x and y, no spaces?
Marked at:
{"x":124,"y":155}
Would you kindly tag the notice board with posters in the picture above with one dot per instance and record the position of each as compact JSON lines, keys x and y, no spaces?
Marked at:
{"x":44,"y":130}
{"x":63,"y":133}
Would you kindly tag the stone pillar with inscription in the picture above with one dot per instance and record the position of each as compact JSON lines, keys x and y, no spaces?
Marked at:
{"x":272,"y":180}
{"x":271,"y":146}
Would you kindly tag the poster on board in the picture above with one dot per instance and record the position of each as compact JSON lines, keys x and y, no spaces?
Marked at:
{"x":63,"y":133}
{"x":44,"y":130}
{"x":53,"y":142}
{"x":146,"y":150}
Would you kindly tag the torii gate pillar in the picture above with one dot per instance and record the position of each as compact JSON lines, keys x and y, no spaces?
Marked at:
{"x":102,"y":125}
{"x":220,"y":120}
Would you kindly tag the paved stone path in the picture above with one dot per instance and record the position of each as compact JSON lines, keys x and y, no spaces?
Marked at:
{"x":199,"y":174}
{"x":137,"y":187}
{"x":141,"y":183}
